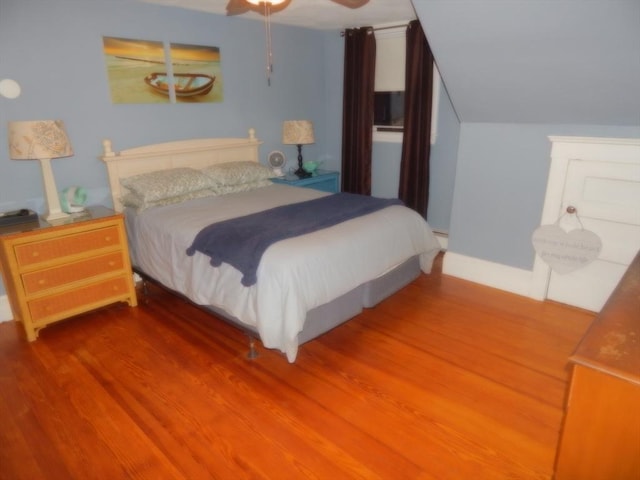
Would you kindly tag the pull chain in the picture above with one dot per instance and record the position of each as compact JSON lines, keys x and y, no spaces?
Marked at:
{"x":267,"y":25}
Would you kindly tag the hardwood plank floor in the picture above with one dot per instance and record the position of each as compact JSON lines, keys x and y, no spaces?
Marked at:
{"x":445,"y":380}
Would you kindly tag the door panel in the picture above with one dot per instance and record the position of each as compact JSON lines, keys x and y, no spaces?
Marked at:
{"x":603,"y":184}
{"x":605,"y":190}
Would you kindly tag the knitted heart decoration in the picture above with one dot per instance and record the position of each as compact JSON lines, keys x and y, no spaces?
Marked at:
{"x":563,"y":251}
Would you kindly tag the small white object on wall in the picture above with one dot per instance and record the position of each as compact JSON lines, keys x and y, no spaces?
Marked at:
{"x":9,"y":88}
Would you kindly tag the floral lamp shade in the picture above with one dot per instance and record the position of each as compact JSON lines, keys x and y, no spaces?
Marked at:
{"x":42,"y":140}
{"x":31,"y":140}
{"x":297,"y":132}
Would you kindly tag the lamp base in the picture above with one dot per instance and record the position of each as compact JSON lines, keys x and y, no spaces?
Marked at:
{"x":56,"y":218}
{"x":301,"y":172}
{"x":55,"y":215}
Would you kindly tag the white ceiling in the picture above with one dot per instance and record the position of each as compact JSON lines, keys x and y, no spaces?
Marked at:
{"x":317,"y":14}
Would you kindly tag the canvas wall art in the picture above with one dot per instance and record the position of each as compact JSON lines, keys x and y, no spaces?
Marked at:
{"x":144,"y":71}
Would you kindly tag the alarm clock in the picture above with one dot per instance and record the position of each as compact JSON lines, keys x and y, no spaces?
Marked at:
{"x":277,"y":161}
{"x":73,"y":199}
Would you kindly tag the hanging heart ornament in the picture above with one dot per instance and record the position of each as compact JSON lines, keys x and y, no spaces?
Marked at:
{"x":564,"y":251}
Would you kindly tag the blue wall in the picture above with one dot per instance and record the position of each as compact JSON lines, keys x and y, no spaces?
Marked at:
{"x":54,"y":50}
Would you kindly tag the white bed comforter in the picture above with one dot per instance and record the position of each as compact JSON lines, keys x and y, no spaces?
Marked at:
{"x":294,"y":276}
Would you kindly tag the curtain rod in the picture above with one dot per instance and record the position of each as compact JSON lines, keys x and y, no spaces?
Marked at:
{"x":382,"y":28}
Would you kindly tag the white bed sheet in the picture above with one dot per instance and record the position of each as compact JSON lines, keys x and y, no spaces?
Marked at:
{"x":294,"y":276}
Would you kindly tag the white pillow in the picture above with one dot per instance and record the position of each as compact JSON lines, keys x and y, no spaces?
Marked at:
{"x":237,"y":173}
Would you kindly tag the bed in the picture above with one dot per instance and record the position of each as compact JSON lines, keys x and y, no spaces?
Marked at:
{"x":305,"y":285}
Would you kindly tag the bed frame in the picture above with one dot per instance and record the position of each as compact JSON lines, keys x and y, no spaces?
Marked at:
{"x":200,"y":153}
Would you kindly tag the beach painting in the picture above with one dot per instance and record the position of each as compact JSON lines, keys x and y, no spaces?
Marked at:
{"x":143,"y":71}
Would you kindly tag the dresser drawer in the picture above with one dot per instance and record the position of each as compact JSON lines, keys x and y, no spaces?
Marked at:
{"x":41,"y":280}
{"x":33,"y":253}
{"x":64,"y":304}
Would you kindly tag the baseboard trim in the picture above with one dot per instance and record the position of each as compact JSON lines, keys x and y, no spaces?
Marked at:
{"x":487,"y":273}
{"x":5,"y":310}
{"x":443,"y":238}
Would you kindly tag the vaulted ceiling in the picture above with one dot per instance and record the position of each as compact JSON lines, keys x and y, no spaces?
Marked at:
{"x":538,"y":61}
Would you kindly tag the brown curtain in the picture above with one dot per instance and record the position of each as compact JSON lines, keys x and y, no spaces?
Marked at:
{"x":414,"y":165}
{"x":357,"y":114}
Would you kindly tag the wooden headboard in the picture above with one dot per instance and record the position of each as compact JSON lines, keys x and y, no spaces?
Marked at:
{"x":196,"y":153}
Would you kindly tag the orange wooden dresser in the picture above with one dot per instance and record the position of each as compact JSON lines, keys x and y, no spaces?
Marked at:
{"x":601,"y":433}
{"x":52,"y":272}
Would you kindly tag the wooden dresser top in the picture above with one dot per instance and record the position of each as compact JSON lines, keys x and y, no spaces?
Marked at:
{"x":612,"y":343}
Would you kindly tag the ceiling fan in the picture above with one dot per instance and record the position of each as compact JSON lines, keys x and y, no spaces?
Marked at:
{"x":266,"y":8}
{"x":238,"y":7}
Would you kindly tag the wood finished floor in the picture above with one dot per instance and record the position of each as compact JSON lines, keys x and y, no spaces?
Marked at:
{"x":445,"y":380}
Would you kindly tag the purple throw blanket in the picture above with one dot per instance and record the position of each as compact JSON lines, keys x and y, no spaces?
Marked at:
{"x":241,"y":241}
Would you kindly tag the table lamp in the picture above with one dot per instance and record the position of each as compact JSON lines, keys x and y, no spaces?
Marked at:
{"x":42,"y":140}
{"x":298,"y":132}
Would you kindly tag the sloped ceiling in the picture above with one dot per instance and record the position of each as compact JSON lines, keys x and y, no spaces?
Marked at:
{"x":538,"y":61}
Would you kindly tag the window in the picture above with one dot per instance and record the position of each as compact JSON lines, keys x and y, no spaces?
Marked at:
{"x":388,"y":111}
{"x":391,"y":44}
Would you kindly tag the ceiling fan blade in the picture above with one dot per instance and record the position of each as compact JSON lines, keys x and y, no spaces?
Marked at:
{"x":238,"y":7}
{"x":352,"y":3}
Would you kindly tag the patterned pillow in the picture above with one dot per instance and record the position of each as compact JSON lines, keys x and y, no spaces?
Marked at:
{"x":161,"y":184}
{"x":139,"y":204}
{"x":237,"y":173}
{"x":241,"y":187}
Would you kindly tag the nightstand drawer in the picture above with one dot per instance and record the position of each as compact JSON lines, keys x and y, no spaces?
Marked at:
{"x":39,"y":281}
{"x":46,"y":309}
{"x":65,"y":246}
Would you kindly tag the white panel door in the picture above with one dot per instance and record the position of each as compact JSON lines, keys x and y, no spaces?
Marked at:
{"x":602,"y":181}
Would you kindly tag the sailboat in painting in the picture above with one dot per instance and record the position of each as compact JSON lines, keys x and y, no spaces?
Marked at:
{"x":186,"y":84}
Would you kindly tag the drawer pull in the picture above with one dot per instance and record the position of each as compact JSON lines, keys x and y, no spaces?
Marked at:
{"x":111,"y":263}
{"x":107,"y":239}
{"x":35,"y":254}
{"x":42,"y":281}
